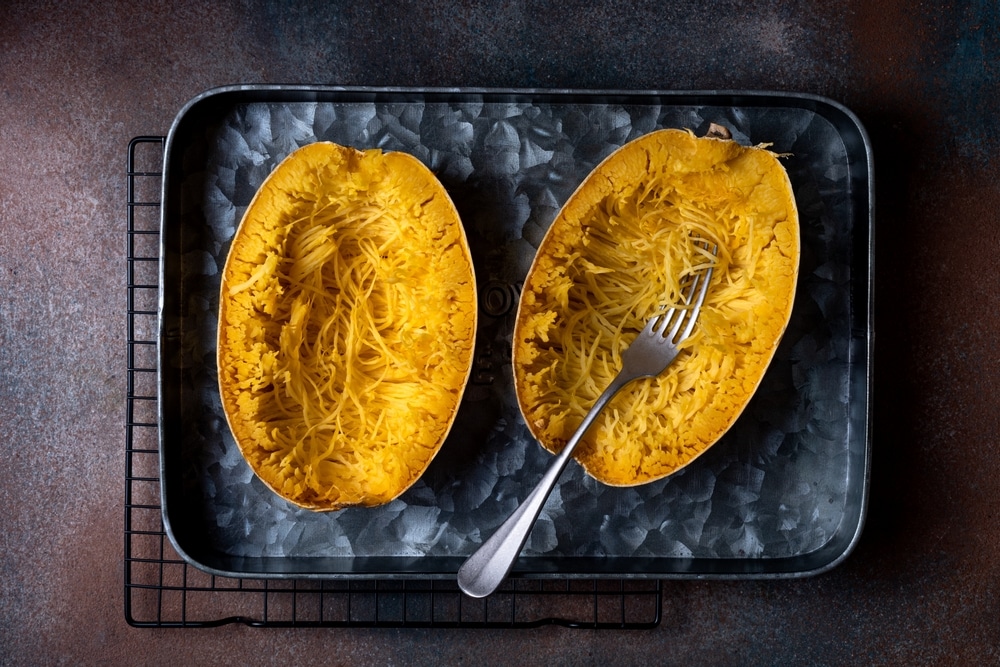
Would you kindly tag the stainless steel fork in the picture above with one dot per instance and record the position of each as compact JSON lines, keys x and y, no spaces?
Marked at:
{"x":650,"y":353}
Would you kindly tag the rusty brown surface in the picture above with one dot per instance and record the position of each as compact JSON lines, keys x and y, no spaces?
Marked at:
{"x":78,"y":81}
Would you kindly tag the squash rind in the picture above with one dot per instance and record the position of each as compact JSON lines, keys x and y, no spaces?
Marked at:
{"x":612,"y":257}
{"x":347,"y":323}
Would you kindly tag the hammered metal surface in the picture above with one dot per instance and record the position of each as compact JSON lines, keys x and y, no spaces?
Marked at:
{"x":780,"y":484}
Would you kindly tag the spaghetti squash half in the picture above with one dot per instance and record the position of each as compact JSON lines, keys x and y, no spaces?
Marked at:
{"x":618,"y":253}
{"x":347,"y":322}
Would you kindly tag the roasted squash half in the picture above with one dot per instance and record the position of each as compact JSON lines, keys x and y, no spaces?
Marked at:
{"x":617,"y":254}
{"x":347,"y":322}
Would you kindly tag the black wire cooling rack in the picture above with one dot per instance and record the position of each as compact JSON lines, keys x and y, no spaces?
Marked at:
{"x":162,"y":590}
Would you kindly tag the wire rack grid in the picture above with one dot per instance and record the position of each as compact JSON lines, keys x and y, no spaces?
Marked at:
{"x":163,"y":590}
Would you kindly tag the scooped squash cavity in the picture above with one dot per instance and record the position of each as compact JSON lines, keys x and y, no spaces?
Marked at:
{"x":618,"y":253}
{"x":346,"y":325}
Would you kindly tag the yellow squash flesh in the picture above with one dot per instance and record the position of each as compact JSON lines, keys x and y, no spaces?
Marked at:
{"x":347,"y":321}
{"x":615,"y":256}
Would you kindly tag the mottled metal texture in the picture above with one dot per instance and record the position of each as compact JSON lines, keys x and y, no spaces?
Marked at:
{"x":783,"y":492}
{"x":78,"y":80}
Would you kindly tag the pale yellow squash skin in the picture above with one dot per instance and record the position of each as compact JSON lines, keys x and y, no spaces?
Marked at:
{"x":615,"y":256}
{"x":347,"y":323}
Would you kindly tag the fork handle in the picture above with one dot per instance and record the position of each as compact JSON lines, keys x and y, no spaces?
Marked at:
{"x":486,"y":569}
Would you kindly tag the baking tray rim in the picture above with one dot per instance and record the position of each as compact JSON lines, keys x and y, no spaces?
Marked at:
{"x":720,"y":97}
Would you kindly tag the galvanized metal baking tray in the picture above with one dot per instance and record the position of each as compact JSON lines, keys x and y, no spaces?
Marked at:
{"x":783,"y":494}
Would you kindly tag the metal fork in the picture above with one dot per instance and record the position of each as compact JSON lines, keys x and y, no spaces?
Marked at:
{"x":648,"y":356}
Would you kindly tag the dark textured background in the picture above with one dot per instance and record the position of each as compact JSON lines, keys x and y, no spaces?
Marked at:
{"x":78,"y":80}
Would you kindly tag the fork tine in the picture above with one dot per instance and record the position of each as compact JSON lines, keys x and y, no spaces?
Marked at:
{"x":694,"y":299}
{"x":701,"y":299}
{"x":687,"y":299}
{"x":663,"y":321}
{"x":651,"y":325}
